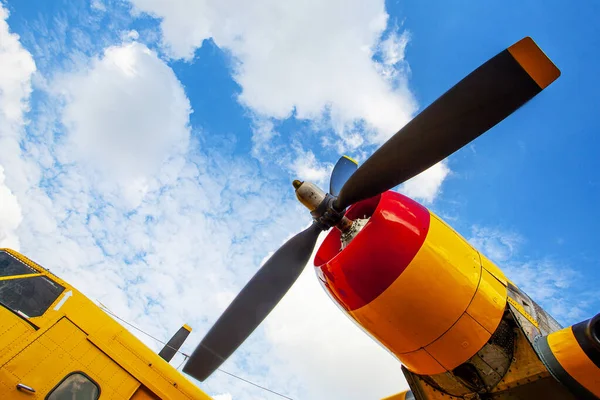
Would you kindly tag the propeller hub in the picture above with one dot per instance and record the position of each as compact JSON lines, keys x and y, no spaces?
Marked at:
{"x":320,"y":205}
{"x":309,"y":194}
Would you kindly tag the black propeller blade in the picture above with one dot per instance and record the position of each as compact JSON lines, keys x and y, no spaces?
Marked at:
{"x":478,"y":102}
{"x":342,"y":171}
{"x":256,"y":300}
{"x":174,"y":344}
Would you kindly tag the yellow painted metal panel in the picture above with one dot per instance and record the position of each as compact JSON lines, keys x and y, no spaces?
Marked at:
{"x":573,"y":359}
{"x":143,"y":393}
{"x":40,"y":368}
{"x":97,"y":366}
{"x":440,"y":282}
{"x":151,"y":370}
{"x":421,"y":362}
{"x":124,"y":385}
{"x":84,"y":353}
{"x":460,"y":343}
{"x":493,"y":269}
{"x":52,"y":356}
{"x":14,"y":332}
{"x":27,"y":359}
{"x":487,"y":307}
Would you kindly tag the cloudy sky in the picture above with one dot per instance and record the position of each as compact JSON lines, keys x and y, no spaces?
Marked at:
{"x":147,"y":149}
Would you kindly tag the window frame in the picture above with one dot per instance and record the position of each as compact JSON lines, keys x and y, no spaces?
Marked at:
{"x":67,"y":377}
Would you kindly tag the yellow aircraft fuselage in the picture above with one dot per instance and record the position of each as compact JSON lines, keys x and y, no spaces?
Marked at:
{"x":66,"y":335}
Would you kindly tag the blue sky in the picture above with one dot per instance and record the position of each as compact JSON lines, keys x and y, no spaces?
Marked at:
{"x":147,"y":149}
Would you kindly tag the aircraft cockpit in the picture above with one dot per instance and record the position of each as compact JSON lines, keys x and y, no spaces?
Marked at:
{"x":23,"y":289}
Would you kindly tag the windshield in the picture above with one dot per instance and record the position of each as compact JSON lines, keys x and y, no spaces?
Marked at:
{"x":10,"y":265}
{"x":29,"y":297}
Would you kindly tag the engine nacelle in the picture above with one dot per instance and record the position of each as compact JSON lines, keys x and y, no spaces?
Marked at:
{"x":414,"y":284}
{"x":572,"y":355}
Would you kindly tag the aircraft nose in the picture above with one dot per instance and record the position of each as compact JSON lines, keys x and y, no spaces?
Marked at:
{"x":375,"y":258}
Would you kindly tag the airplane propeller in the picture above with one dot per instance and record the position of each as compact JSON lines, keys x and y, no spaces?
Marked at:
{"x":481,"y":100}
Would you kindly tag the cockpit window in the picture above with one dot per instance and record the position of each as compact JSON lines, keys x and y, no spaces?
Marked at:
{"x":75,"y":387}
{"x":29,"y":297}
{"x":10,"y":265}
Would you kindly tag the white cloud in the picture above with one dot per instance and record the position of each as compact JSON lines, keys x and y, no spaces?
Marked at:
{"x":497,"y":244}
{"x":307,"y":58}
{"x":393,"y":50}
{"x":311,"y":60}
{"x":17,"y":67}
{"x":305,"y":166}
{"x":394,"y":47}
{"x":553,"y":286}
{"x":262,"y":137}
{"x":428,"y":184}
{"x":130,"y":35}
{"x":98,"y":5}
{"x":127,"y":113}
{"x":225,"y":396}
{"x":10,"y":216}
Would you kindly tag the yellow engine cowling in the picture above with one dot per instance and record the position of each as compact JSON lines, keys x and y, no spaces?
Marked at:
{"x":572,"y":355}
{"x":414,"y":284}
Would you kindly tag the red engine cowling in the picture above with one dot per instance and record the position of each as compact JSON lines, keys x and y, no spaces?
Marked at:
{"x":414,"y":284}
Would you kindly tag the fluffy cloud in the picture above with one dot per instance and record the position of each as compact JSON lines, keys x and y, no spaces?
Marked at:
{"x":128,"y":108}
{"x":553,"y":285}
{"x":308,"y":59}
{"x":331,"y":62}
{"x":10,"y":215}
{"x":225,"y":396}
{"x":17,"y":67}
{"x":428,"y":184}
{"x":497,"y":244}
{"x":307,"y":167}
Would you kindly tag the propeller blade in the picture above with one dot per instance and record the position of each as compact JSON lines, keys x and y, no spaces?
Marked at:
{"x":342,"y":171}
{"x":256,"y":300}
{"x":478,"y":102}
{"x":174,"y":344}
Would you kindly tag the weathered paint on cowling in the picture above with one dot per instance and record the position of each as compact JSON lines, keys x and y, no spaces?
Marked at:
{"x":414,"y":284}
